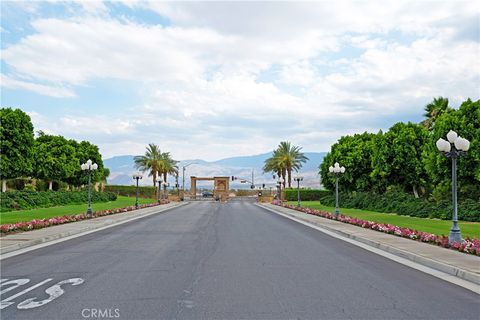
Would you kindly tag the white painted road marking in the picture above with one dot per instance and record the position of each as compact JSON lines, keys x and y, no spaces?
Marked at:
{"x":5,"y":302}
{"x":17,"y":283}
{"x":54,"y":292}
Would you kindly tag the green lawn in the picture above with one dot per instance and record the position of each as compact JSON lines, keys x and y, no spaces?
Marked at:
{"x":438,"y":227}
{"x":41,"y":213}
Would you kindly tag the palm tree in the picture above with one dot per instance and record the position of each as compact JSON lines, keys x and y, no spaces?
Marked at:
{"x":433,"y":110}
{"x":291,"y":157}
{"x":275,"y":165}
{"x":284,"y":160}
{"x":168,"y":166}
{"x":151,"y":161}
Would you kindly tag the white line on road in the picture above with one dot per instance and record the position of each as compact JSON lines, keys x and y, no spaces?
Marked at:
{"x":5,"y":303}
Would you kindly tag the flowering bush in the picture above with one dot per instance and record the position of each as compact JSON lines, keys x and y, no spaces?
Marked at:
{"x":469,"y":245}
{"x":47,"y":222}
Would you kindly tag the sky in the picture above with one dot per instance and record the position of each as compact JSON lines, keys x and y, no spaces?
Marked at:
{"x":209,"y":80}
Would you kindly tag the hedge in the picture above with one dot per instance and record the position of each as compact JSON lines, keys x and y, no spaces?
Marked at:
{"x":130,"y":191}
{"x":404,"y":204}
{"x":24,"y":200}
{"x":305,"y":194}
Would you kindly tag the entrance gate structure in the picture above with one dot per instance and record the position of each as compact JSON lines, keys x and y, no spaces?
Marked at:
{"x":221,"y":187}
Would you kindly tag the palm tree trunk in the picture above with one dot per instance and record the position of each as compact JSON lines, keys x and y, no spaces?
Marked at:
{"x":50,"y":185}
{"x":154,"y":177}
{"x":289,"y":170}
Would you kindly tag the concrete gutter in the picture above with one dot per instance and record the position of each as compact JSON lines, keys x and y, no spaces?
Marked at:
{"x":22,"y":242}
{"x":463,"y":275}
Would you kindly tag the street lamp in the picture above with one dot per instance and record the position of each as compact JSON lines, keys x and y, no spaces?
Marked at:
{"x":336,"y":170}
{"x":159,"y":180}
{"x":455,"y":147}
{"x":183,"y":177}
{"x":279,"y":182}
{"x":89,"y":167}
{"x":137,"y":176}
{"x":298,"y":178}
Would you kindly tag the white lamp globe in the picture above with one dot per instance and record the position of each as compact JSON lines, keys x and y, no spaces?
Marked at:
{"x":330,"y":169}
{"x":94,"y":166}
{"x":342,"y":169}
{"x":466,"y":145}
{"x":452,"y":136}
{"x":462,"y":144}
{"x":440,"y":145}
{"x":83,"y":166}
{"x":89,"y":162}
{"x":337,"y":165}
{"x":447,"y":147}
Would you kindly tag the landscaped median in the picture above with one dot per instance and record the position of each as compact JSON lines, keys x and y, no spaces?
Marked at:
{"x":470,"y":245}
{"x":48,"y":222}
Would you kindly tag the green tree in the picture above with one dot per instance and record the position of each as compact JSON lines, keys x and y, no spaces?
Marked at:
{"x":151,"y":161}
{"x":55,"y":159}
{"x":16,"y":145}
{"x":466,"y":122}
{"x":284,"y":160}
{"x":397,"y":157}
{"x":354,"y":153}
{"x":83,"y":152}
{"x":434,"y":110}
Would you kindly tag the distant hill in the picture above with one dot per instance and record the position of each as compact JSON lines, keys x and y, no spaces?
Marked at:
{"x":121,"y":168}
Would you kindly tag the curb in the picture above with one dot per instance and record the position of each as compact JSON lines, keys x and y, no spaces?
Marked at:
{"x":49,"y":240}
{"x":443,"y":267}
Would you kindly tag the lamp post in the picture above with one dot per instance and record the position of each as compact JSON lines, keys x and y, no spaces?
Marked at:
{"x":298,"y":178}
{"x":89,"y":167}
{"x":280,"y":181}
{"x":336,"y":170}
{"x":455,"y":147}
{"x":137,"y":176}
{"x":159,"y":180}
{"x":183,"y":176}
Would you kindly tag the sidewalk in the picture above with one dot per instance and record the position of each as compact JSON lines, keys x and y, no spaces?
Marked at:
{"x":21,"y":240}
{"x":462,"y":265}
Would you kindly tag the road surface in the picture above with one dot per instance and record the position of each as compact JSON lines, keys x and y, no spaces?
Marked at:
{"x":209,"y":260}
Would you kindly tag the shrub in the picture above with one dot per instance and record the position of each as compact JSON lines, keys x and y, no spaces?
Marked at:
{"x":305,"y":194}
{"x":24,"y":200}
{"x":405,"y":204}
{"x":130,"y":191}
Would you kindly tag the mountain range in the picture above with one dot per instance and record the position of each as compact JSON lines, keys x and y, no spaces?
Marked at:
{"x":122,"y":167}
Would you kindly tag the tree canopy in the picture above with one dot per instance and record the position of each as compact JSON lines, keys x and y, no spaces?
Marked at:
{"x":16,"y":144}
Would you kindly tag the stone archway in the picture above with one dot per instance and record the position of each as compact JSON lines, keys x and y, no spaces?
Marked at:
{"x":221,"y":187}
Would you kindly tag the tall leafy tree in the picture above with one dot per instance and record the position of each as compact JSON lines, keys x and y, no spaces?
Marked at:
{"x":434,"y":110}
{"x":397,"y":157}
{"x":55,"y":159}
{"x":16,"y":144}
{"x":466,"y":122}
{"x":83,"y":152}
{"x":354,"y":153}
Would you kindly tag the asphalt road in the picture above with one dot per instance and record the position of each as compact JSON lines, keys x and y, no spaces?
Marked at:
{"x":208,"y":260}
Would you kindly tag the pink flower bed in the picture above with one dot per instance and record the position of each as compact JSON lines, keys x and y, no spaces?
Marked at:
{"x":48,"y":222}
{"x":469,"y":245}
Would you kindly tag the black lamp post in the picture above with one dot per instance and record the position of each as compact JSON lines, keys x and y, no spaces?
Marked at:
{"x":89,"y":167}
{"x":298,"y":178}
{"x":454,"y":148}
{"x":336,"y":170}
{"x":137,"y":176}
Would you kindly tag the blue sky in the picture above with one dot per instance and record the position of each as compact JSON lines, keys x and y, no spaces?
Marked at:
{"x":216,"y":79}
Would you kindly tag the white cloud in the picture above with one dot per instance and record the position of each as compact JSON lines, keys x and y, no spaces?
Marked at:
{"x":52,"y":91}
{"x":243,"y":76}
